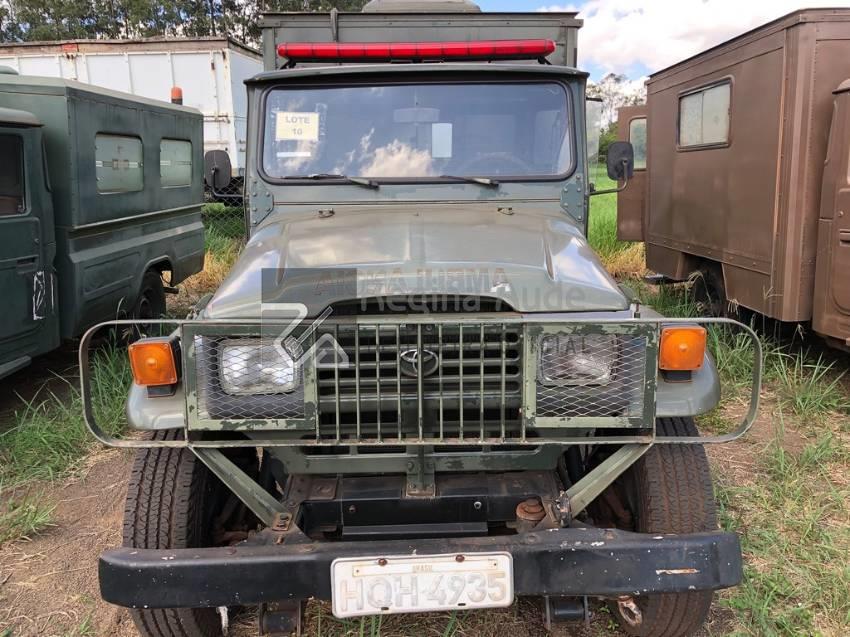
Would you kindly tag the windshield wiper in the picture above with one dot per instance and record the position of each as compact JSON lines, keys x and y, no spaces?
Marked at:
{"x":366,"y":183}
{"x":481,"y":181}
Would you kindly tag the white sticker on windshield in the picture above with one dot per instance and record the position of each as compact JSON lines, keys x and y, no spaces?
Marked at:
{"x":297,"y":126}
{"x":441,"y":140}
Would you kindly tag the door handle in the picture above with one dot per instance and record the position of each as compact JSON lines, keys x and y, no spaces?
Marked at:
{"x":844,"y":237}
{"x":26,"y":265}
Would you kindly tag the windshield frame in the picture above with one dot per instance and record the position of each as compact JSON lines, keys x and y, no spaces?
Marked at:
{"x":408,"y":80}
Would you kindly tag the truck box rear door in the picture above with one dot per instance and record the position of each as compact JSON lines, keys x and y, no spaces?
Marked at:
{"x":631,"y":202}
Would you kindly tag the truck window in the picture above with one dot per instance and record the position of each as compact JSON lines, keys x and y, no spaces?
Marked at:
{"x":175,"y":163}
{"x":421,"y":131}
{"x":704,"y":116}
{"x":118,"y":162}
{"x":637,"y":137}
{"x":11,"y":175}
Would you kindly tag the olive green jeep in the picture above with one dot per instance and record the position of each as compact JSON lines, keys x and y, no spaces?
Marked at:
{"x":418,"y":389}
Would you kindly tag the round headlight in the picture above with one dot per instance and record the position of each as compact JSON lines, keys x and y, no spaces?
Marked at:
{"x":573,"y":359}
{"x":252,"y":366}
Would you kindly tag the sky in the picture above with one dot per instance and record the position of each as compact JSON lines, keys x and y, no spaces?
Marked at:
{"x":639,"y":37}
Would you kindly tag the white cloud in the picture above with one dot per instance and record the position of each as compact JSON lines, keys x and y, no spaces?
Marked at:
{"x":658,"y":33}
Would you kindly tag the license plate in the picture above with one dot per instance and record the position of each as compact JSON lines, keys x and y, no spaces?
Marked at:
{"x":419,"y":583}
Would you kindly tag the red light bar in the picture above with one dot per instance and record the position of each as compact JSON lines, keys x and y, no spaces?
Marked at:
{"x":389,"y":51}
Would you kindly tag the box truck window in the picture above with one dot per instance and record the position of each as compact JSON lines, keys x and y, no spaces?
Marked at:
{"x":704,"y":116}
{"x":175,"y":163}
{"x":11,"y":175}
{"x":637,"y":137}
{"x":118,"y":162}
{"x":419,"y":131}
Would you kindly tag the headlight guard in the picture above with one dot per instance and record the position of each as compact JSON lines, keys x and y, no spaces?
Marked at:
{"x":575,"y":360}
{"x":250,"y":367}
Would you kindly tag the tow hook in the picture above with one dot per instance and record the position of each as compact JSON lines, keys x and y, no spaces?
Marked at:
{"x":629,"y":610}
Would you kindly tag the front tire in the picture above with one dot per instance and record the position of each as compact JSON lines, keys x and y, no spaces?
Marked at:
{"x":670,"y":491}
{"x":171,"y":503}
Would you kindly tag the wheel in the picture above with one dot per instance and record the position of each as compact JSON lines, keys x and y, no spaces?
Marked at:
{"x":150,"y":304}
{"x":669,"y":491}
{"x":172,"y":501}
{"x":709,"y":292}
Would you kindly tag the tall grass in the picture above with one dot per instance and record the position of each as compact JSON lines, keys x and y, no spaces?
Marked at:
{"x":622,"y":259}
{"x":50,"y":433}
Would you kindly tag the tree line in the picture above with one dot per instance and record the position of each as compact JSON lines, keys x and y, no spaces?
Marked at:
{"x":50,"y":20}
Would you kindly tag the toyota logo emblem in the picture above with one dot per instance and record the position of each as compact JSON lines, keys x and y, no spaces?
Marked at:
{"x":413,"y":359}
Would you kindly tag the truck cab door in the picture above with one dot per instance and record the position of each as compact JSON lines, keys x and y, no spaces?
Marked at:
{"x":631,"y":202}
{"x":832,"y":271}
{"x":25,"y":281}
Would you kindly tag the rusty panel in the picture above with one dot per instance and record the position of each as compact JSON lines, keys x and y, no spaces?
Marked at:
{"x":832,"y":285}
{"x":631,"y":202}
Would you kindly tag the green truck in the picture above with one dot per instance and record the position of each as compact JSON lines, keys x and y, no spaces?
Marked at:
{"x":100,"y":195}
{"x":418,"y":389}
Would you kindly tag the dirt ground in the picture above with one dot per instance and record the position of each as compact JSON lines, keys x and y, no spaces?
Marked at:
{"x":48,"y":585}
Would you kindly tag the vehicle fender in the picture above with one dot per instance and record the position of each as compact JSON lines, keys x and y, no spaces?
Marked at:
{"x":693,"y":397}
{"x":150,"y":414}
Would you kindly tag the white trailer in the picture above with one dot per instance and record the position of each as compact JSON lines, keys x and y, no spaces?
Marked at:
{"x":209,"y":70}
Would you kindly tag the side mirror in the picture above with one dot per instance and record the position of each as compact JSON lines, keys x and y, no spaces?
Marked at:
{"x":621,"y":161}
{"x":217,"y":170}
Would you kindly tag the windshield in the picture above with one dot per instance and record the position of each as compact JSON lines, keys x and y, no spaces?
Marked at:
{"x":419,"y":131}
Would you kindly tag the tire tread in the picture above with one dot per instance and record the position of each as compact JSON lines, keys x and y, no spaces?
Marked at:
{"x":674,"y":495}
{"x":164,"y":505}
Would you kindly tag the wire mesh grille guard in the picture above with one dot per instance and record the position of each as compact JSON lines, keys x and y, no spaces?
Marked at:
{"x":442,"y":381}
{"x":511,"y":380}
{"x":242,"y":378}
{"x":592,"y":375}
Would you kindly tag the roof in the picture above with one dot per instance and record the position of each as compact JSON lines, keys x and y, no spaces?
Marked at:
{"x":18,"y":118}
{"x":56,"y":86}
{"x":433,"y":6}
{"x":159,"y":43}
{"x":424,"y":67}
{"x":789,"y":20}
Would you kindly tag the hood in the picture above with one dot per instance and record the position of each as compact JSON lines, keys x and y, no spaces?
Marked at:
{"x":532,"y":260}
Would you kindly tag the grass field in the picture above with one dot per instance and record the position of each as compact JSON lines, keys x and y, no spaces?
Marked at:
{"x":785,"y":488}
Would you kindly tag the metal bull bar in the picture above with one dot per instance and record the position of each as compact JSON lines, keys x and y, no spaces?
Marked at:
{"x":559,"y":416}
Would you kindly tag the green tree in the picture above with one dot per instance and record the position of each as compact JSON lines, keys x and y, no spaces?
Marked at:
{"x":29,"y":20}
{"x":608,"y":135}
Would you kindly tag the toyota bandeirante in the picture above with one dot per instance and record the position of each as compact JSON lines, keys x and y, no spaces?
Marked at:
{"x":418,"y":389}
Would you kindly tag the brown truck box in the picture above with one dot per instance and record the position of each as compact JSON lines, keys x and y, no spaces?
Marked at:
{"x":735,"y":186}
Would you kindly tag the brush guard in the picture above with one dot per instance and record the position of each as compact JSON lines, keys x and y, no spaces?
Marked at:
{"x":491,"y":398}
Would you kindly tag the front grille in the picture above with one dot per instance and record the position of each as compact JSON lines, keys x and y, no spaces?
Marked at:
{"x":440,"y":381}
{"x":416,"y":381}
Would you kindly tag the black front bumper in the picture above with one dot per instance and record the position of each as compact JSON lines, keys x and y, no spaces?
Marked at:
{"x":559,"y":562}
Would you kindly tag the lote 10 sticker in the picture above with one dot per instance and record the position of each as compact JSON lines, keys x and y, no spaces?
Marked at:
{"x":297,"y":126}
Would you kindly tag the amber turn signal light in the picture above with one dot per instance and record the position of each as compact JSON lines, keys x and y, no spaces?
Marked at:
{"x":682,"y":348}
{"x":152,"y":361}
